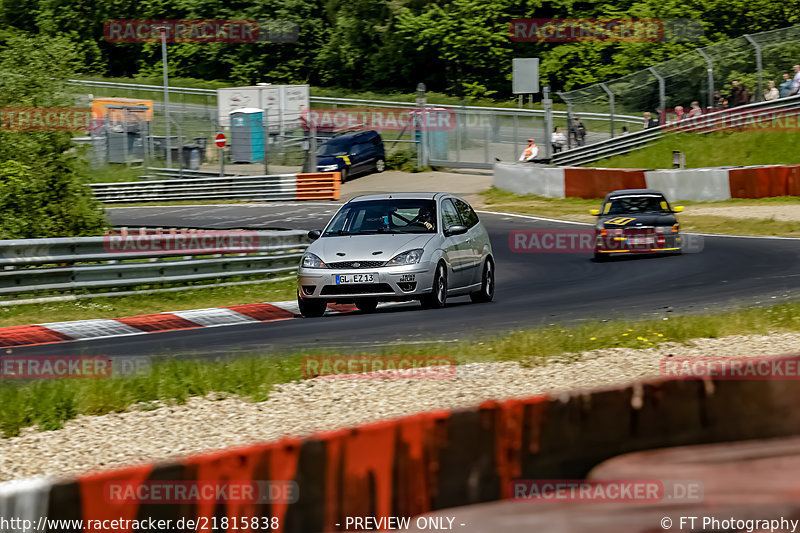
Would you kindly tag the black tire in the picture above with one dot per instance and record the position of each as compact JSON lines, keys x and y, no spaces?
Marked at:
{"x":380,"y":165}
{"x":487,"y":284}
{"x":344,"y":174}
{"x":600,"y":258}
{"x":311,"y":308}
{"x":438,"y":296}
{"x":367,"y":305}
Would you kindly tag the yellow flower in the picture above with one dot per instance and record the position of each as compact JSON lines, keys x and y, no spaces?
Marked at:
{"x":624,"y":334}
{"x":592,"y":338}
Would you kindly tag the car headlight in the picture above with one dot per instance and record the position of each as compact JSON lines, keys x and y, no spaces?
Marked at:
{"x":411,"y":257}
{"x":328,"y":168}
{"x":313,"y":261}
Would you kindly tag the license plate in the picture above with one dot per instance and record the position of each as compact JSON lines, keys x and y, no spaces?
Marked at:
{"x":344,"y":279}
{"x":640,"y":240}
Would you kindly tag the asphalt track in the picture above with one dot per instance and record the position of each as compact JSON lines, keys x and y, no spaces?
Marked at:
{"x":532,"y":289}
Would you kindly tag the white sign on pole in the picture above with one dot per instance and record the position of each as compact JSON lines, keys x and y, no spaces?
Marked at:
{"x":282,"y":104}
{"x":525,"y":75}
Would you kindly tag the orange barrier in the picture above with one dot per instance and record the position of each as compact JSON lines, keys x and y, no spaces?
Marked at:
{"x":597,"y":182}
{"x":319,"y":186}
{"x":759,"y":182}
{"x":793,"y":181}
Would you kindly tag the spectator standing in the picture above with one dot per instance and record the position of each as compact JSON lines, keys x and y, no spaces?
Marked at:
{"x":530,"y":152}
{"x":743,"y":96}
{"x":694,"y":110}
{"x":772,"y":92}
{"x":578,"y":131}
{"x":785,"y":86}
{"x":733,"y":99}
{"x":558,"y":140}
{"x":652,"y":121}
{"x":679,"y":113}
{"x":720,"y":102}
{"x":795,"y":81}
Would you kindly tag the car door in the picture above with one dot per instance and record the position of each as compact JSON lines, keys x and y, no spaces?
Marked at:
{"x":476,"y":240}
{"x":359,"y":158}
{"x":456,"y":247}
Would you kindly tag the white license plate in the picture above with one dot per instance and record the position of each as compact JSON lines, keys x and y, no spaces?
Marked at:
{"x":344,"y":279}
{"x":640,"y":240}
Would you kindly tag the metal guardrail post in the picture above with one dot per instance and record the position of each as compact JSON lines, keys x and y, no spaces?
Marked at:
{"x":610,"y":105}
{"x":569,"y":118}
{"x":662,"y":99}
{"x":760,"y":93}
{"x":710,"y":69}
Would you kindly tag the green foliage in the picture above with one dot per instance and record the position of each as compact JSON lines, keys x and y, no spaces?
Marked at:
{"x":405,"y":160}
{"x":42,"y":191}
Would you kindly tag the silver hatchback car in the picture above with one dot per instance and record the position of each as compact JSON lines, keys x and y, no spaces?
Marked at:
{"x":396,"y":247}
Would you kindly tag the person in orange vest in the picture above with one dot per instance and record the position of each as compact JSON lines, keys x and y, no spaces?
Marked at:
{"x":530,"y":152}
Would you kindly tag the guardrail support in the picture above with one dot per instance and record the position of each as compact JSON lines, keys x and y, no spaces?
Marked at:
{"x":760,"y":93}
{"x":710,"y":69}
{"x":610,"y":106}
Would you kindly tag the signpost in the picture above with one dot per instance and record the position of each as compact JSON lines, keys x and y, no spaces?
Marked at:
{"x":220,"y":140}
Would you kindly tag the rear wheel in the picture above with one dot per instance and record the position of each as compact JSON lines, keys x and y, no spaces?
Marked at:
{"x":487,"y":284}
{"x":311,"y":308}
{"x":438,"y":296}
{"x":380,"y":165}
{"x":366,"y":305}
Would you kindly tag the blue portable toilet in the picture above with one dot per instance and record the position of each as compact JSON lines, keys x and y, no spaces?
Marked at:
{"x":247,"y":135}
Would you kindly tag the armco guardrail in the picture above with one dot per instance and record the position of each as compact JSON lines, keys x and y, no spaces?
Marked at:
{"x":738,"y":117}
{"x":438,"y":460}
{"x":47,"y":269}
{"x":313,"y":186}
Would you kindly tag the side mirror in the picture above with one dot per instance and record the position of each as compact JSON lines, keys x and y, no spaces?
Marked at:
{"x":678,"y":209}
{"x":595,"y":212}
{"x":455,"y":230}
{"x":314,"y":234}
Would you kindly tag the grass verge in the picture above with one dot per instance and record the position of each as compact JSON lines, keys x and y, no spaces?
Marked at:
{"x":577,"y":209}
{"x":48,"y":404}
{"x":730,"y":148}
{"x":121,"y":306}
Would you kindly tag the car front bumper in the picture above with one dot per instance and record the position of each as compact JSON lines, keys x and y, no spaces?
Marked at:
{"x":389,"y":283}
{"x":612,"y":245}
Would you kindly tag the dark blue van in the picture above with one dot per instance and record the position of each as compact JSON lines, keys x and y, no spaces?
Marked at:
{"x":352,"y":154}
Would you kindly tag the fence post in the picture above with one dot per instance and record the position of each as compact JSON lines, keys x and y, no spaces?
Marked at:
{"x":710,"y":68}
{"x":610,"y":105}
{"x":760,"y":93}
{"x":569,"y":119}
{"x":662,"y":99}
{"x":548,"y":121}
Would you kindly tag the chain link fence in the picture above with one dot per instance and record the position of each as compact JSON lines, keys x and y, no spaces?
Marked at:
{"x":704,"y":76}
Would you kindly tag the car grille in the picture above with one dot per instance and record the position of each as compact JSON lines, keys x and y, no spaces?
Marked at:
{"x":361,"y":264}
{"x":356,"y":288}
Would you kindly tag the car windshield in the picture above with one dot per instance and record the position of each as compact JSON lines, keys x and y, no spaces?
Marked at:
{"x":384,"y":216}
{"x":650,"y":203}
{"x":335,"y":147}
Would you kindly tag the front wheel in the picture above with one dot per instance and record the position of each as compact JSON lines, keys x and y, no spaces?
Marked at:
{"x":438,"y":296}
{"x":344,"y":173}
{"x":600,"y":258}
{"x":487,"y":284}
{"x":311,"y":308}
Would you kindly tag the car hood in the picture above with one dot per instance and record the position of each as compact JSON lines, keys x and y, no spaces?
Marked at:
{"x":633,"y":220}
{"x":365,"y":247}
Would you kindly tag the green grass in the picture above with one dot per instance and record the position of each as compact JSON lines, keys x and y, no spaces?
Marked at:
{"x":577,"y":209}
{"x":734,"y":148}
{"x":122,"y":306}
{"x":48,"y":404}
{"x":114,"y":173}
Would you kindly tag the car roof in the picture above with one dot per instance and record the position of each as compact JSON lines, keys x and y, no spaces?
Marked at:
{"x":400,"y":196}
{"x":632,"y":192}
{"x":354,"y":135}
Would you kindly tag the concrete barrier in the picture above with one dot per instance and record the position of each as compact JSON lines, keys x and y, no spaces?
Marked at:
{"x":441,"y":459}
{"x":697,"y":184}
{"x":530,"y":179}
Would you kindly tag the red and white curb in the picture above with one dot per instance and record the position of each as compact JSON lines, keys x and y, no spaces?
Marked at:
{"x":51,"y":332}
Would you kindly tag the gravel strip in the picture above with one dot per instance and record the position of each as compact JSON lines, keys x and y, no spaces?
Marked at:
{"x":783,"y":213}
{"x":301,"y":408}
